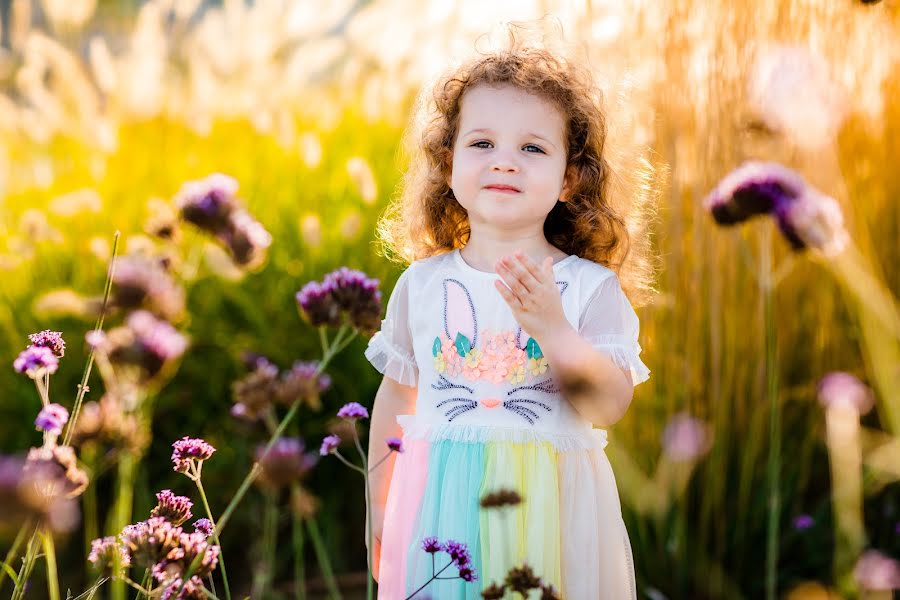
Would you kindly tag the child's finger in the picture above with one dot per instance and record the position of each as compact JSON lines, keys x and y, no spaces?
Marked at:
{"x":530,"y":267}
{"x":507,"y":293}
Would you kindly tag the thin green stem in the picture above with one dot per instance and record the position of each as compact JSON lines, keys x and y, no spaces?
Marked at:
{"x":83,"y":387}
{"x":324,"y":562}
{"x":341,"y":458}
{"x":50,"y":558}
{"x":297,"y":543}
{"x":14,"y":549}
{"x":378,"y":464}
{"x":370,"y":581}
{"x":215,"y":537}
{"x":433,"y":577}
{"x":27,"y":566}
{"x":774,"y":463}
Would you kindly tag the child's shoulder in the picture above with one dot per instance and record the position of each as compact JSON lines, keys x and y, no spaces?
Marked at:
{"x":590,"y":271}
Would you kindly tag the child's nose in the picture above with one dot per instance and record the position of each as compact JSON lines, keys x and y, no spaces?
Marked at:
{"x":490,"y":402}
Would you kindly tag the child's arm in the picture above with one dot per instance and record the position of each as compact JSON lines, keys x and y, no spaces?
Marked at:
{"x":392,"y":399}
{"x":595,"y":386}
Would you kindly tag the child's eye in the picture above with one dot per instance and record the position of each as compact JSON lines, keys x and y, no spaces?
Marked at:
{"x":479,"y":142}
{"x":537,"y":148}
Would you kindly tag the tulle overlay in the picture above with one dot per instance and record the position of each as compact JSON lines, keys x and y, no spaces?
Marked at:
{"x":569,"y":527}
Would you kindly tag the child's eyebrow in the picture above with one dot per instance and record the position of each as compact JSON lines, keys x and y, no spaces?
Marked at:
{"x":529,"y":134}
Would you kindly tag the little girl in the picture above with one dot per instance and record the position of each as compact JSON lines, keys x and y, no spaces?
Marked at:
{"x":505,"y":341}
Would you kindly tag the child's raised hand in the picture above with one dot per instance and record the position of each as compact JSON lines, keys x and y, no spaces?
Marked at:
{"x":531,"y":292}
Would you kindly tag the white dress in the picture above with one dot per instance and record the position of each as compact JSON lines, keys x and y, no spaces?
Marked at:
{"x":489,"y":416}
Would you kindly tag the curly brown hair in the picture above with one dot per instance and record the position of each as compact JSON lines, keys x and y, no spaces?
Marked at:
{"x":425,"y":219}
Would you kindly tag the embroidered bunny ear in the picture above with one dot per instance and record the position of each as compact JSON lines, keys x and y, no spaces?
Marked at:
{"x":460,"y":324}
{"x":530,"y":346}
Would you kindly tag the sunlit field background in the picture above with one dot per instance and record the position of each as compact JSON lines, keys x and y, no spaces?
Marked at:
{"x":108,"y":108}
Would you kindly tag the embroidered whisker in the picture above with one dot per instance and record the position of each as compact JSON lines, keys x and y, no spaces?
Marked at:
{"x":530,"y":401}
{"x":465,"y":400}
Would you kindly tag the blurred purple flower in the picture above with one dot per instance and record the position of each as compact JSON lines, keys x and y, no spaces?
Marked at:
{"x":467,"y":573}
{"x":754,"y":188}
{"x":56,"y":464}
{"x":187,"y":452}
{"x":175,"y":509}
{"x":685,"y":438}
{"x":329,"y":444}
{"x":431,"y":545}
{"x":108,"y":555}
{"x":52,"y":419}
{"x":212,"y":205}
{"x":305,"y":382}
{"x":49,"y":339}
{"x":285,"y":463}
{"x":175,"y":564}
{"x":876,"y":571}
{"x":394,"y":444}
{"x":805,"y":216}
{"x":353,"y":410}
{"x":343,"y":293}
{"x":144,"y":341}
{"x":803,"y":522}
{"x":844,"y":389}
{"x":34,"y":361}
{"x":142,"y":283}
{"x":204,"y":526}
{"x":35,"y":492}
{"x":253,"y":394}
{"x":209,"y":202}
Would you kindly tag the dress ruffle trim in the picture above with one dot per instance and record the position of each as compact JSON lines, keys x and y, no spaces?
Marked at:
{"x":415,"y":429}
{"x":624,"y":352}
{"x":392,"y":361}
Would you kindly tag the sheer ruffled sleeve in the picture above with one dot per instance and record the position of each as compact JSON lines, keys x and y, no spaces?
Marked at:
{"x":610,"y":324}
{"x":391,"y":350}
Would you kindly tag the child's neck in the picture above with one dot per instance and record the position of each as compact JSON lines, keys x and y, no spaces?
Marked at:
{"x":484,"y":255}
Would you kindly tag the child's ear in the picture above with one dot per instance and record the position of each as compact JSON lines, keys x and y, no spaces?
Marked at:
{"x":568,"y":183}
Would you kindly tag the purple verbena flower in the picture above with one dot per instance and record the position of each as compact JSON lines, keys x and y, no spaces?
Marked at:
{"x":209,"y":202}
{"x":343,"y":293}
{"x":35,"y":361}
{"x":189,"y":453}
{"x":877,"y":571}
{"x":329,"y":444}
{"x":204,"y":526}
{"x":303,"y":381}
{"x":150,"y":541}
{"x":459,"y":552}
{"x":431,"y":545}
{"x":813,"y":220}
{"x":52,"y":419}
{"x":175,"y":509}
{"x":246,"y":239}
{"x":803,"y":522}
{"x":144,"y":341}
{"x":394,"y":444}
{"x":49,"y":339}
{"x":284,"y":463}
{"x":353,"y":410}
{"x":685,"y":438}
{"x":108,"y":555}
{"x":253,"y":394}
{"x":840,"y":389}
{"x":467,"y":574}
{"x":139,"y":282}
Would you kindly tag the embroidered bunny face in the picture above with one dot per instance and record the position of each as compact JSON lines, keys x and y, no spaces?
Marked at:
{"x":479,"y":364}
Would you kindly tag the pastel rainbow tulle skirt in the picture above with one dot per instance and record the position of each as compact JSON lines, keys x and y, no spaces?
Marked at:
{"x":568,"y":528}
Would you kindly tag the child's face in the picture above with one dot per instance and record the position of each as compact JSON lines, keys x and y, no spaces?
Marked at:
{"x":509,"y":157}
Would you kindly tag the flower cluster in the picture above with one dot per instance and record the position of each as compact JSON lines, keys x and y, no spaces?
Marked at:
{"x":806,"y":217}
{"x":108,"y":554}
{"x":344,"y":295}
{"x":56,"y":464}
{"x":329,"y":444}
{"x":142,"y":283}
{"x":286,"y":462}
{"x":188,"y":455}
{"x":204,"y":526}
{"x":35,"y":492}
{"x":105,"y":421}
{"x":175,"y":509}
{"x":143,"y":346}
{"x":497,"y":359}
{"x":49,"y":339}
{"x":36,"y":361}
{"x":52,"y":419}
{"x":685,"y":438}
{"x":459,"y":556}
{"x":353,"y":411}
{"x":212,"y":205}
{"x":254,"y":394}
{"x":840,"y":389}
